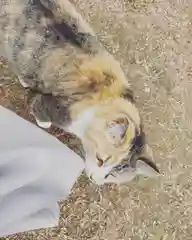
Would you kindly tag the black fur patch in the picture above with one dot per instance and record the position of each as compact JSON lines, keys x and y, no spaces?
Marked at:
{"x":138,"y":142}
{"x":57,"y":24}
{"x":68,"y":31}
{"x":128,"y":94}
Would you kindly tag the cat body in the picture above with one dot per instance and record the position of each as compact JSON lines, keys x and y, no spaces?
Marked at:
{"x":83,"y":88}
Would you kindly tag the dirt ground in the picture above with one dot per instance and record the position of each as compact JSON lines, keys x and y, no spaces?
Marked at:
{"x":153,"y":41}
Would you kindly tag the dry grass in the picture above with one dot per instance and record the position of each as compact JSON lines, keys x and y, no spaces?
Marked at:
{"x":152,"y":39}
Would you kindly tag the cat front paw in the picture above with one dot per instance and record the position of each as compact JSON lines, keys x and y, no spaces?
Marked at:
{"x":23,"y":83}
{"x":40,"y":113}
{"x":42,"y":124}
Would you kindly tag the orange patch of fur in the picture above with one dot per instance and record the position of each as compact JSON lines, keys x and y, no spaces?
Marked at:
{"x":102,"y":74}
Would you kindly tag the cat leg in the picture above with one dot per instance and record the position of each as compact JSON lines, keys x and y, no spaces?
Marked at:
{"x":48,"y":109}
{"x":84,"y":34}
{"x":40,"y":112}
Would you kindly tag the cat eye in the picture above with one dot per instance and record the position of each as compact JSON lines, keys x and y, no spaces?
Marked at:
{"x":101,"y":161}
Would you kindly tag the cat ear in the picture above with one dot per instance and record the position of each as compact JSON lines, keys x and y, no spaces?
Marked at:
{"x":145,"y":164}
{"x":117,"y":128}
{"x":146,"y":168}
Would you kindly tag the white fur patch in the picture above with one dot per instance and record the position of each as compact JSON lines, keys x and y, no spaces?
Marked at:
{"x":96,"y":173}
{"x":79,"y":125}
{"x":40,"y":123}
{"x":43,"y":124}
{"x":22,"y":82}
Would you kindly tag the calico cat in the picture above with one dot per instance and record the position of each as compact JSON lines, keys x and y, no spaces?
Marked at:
{"x":83,"y":89}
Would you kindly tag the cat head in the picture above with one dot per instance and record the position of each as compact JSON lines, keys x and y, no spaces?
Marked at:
{"x":112,"y":135}
{"x":114,"y":142}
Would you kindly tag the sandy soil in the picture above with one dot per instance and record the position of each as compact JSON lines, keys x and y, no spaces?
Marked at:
{"x":153,"y":41}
